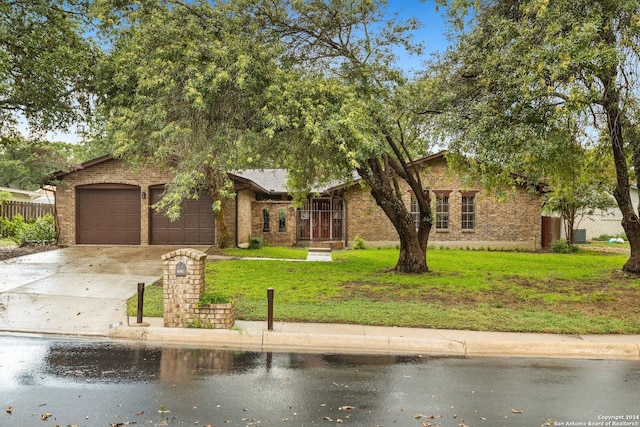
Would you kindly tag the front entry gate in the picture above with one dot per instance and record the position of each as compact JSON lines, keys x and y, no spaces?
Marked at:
{"x":321,"y":219}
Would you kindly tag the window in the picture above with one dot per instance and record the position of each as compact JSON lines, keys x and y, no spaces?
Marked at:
{"x":282,"y":220}
{"x":468,"y":212}
{"x":442,"y":212}
{"x":265,"y":220}
{"x":415,"y":211}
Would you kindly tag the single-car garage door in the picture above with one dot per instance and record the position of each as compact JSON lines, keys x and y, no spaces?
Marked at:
{"x":108,"y":214}
{"x":194,"y":227}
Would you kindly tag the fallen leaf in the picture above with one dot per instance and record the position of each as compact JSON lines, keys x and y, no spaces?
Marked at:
{"x":140,"y":413}
{"x":45,"y":417}
{"x":9,"y":409}
{"x":339,"y":421}
{"x":285,"y":420}
{"x":327,"y":419}
{"x":346,"y":408}
{"x":517,"y":411}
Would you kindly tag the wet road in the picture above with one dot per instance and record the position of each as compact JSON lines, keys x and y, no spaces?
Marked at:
{"x":64,"y":382}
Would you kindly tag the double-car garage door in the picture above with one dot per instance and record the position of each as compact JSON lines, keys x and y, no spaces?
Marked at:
{"x":111,"y":214}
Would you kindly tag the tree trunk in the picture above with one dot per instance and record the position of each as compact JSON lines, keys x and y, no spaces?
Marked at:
{"x":413,"y":243}
{"x":611,"y":102}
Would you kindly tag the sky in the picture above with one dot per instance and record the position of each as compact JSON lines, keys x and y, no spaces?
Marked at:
{"x":431,"y":35}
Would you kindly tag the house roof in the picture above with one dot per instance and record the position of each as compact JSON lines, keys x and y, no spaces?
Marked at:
{"x":268,"y":181}
{"x":26,"y":193}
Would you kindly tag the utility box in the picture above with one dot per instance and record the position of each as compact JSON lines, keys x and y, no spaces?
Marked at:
{"x":580,"y":235}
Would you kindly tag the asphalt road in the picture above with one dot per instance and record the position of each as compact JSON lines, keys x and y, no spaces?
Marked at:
{"x":80,"y":382}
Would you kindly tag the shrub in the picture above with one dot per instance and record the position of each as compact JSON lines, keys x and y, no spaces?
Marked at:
{"x":358,"y":243}
{"x":42,"y":231}
{"x":256,"y":242}
{"x":563,"y":247}
{"x":208,"y":298}
{"x":11,"y":228}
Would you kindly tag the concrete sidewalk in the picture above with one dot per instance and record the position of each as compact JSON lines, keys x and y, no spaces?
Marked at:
{"x":82,"y":291}
{"x":339,"y":338}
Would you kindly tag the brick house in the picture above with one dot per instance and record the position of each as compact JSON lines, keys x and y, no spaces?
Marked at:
{"x":105,"y":202}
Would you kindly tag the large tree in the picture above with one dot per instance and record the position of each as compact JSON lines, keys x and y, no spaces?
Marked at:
{"x":352,"y":108}
{"x":28,"y":164}
{"x":522,"y":71}
{"x":183,"y":87}
{"x":45,"y":65}
{"x":210,"y":87}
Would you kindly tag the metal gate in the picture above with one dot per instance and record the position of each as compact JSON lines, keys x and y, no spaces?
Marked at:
{"x":320,"y":220}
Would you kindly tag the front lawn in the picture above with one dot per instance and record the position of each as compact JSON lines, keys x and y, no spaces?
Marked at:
{"x":477,"y":290}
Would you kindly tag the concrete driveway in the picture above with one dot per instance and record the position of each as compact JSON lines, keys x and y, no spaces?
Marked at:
{"x":75,"y":290}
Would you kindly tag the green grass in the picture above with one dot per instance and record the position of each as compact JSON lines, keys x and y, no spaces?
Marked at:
{"x":267,"y":252}
{"x":477,"y":290}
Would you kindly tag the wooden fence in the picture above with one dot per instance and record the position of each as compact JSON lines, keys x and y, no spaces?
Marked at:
{"x":28,"y":210}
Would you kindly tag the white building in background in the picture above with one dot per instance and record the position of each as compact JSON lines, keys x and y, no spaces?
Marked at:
{"x":604,"y":222}
{"x":44,"y":195}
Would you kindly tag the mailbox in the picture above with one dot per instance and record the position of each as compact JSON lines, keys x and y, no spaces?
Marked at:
{"x":181,"y":269}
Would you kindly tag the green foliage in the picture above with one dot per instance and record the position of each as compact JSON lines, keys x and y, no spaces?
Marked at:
{"x":39,"y":231}
{"x":358,"y":243}
{"x":5,"y":196}
{"x":28,"y":164}
{"x":217,"y":88}
{"x":526,"y":85}
{"x":42,"y":231}
{"x":208,"y":298}
{"x":45,"y":65}
{"x":256,"y":242}
{"x":563,"y":247}
{"x":12,"y":228}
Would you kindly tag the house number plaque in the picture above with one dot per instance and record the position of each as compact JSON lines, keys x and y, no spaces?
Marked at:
{"x":181,"y":269}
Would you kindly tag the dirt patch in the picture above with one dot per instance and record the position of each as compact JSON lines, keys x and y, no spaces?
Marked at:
{"x":615,"y":295}
{"x":7,"y":252}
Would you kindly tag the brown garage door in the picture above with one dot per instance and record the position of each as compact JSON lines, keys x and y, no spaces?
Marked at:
{"x":108,"y":214}
{"x":195,"y":226}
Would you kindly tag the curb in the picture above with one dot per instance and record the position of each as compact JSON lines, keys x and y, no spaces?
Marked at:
{"x":376,"y":344}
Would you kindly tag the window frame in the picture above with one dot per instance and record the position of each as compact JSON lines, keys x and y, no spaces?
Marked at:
{"x":468,"y":211}
{"x":282,"y":220}
{"x":443,"y":212}
{"x":265,"y":221}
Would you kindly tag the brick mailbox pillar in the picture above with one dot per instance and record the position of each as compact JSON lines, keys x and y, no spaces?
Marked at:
{"x":183,"y":282}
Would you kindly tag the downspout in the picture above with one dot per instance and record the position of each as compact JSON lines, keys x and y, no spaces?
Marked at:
{"x":236,"y":242}
{"x":345,"y":223}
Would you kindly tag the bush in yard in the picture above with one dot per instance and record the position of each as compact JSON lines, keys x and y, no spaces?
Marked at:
{"x":256,"y":242}
{"x":563,"y":247}
{"x":358,"y":243}
{"x":11,"y":228}
{"x":42,"y":231}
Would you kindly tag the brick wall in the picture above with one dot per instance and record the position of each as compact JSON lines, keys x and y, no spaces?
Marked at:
{"x":115,"y":171}
{"x":108,"y":172}
{"x":274,"y":237}
{"x":513,"y":223}
{"x":244,"y":200}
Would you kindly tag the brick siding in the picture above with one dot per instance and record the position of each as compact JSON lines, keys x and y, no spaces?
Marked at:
{"x":513,"y":223}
